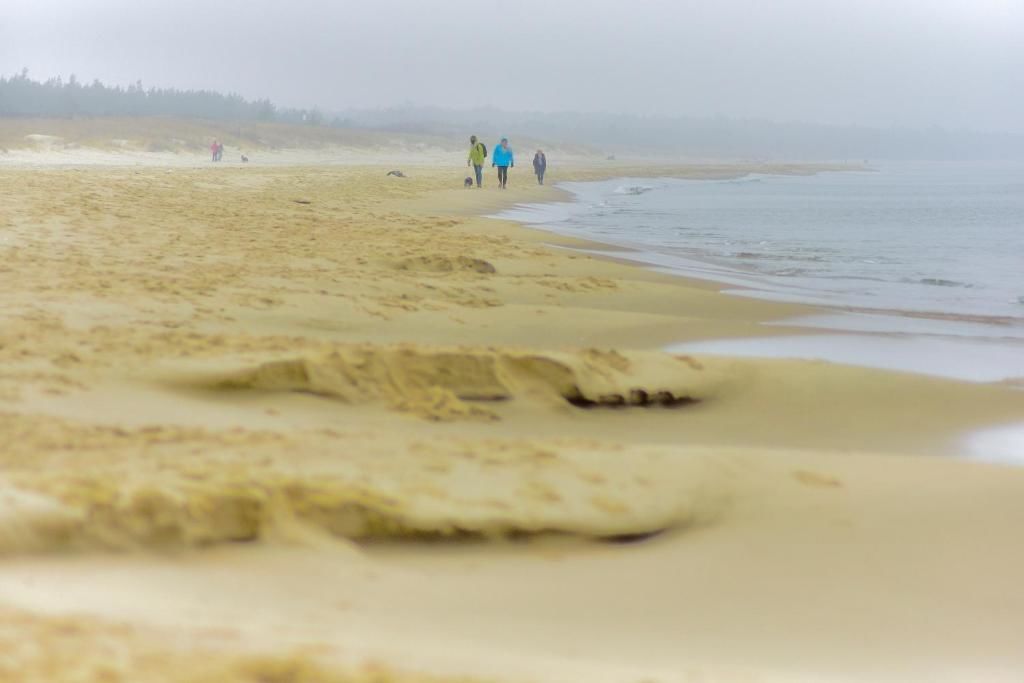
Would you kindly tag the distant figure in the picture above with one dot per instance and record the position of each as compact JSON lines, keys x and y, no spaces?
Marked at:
{"x":540,"y":164}
{"x":477,"y":154}
{"x":397,"y":174}
{"x":218,"y":150}
{"x":245,"y":159}
{"x":503,"y":159}
{"x":468,"y":182}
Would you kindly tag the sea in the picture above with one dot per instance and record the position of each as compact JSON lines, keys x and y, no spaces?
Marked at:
{"x":915,"y":267}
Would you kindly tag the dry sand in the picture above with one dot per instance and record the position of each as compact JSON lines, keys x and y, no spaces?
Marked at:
{"x":316,"y":424}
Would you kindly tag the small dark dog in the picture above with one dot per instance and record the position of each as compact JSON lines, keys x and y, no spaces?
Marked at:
{"x":468,"y":182}
{"x":245,"y":159}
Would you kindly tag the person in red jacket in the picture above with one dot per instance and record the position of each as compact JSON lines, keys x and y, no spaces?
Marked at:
{"x":215,"y":149}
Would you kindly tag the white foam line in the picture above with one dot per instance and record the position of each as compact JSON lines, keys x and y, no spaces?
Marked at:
{"x":1003,"y":445}
{"x":971,"y":360}
{"x":901,"y":324}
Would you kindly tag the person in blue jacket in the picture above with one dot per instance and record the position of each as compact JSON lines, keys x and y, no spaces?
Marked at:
{"x":502,"y":158}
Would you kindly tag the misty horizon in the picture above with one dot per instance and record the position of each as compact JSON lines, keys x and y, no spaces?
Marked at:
{"x":950,"y":64}
{"x":409,"y":108}
{"x":652,"y":136}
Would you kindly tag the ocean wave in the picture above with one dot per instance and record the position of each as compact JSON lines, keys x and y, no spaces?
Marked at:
{"x":940,"y":282}
{"x":633,"y":189}
{"x":765,"y":256}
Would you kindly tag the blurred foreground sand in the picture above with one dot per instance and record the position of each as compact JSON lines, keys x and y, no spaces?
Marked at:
{"x":277,"y":423}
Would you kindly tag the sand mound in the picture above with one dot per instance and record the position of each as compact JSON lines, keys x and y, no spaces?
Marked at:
{"x":359,"y":490}
{"x":44,"y":649}
{"x":440,"y":263}
{"x":443,"y":384}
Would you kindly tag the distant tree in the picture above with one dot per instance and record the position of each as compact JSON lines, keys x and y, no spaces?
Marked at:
{"x":265,"y":110}
{"x":22,"y":96}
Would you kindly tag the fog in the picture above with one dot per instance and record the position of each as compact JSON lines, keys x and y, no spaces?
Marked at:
{"x":956,"y":64}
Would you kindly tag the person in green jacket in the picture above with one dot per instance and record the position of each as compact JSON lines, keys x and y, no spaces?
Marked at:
{"x":477,"y":154}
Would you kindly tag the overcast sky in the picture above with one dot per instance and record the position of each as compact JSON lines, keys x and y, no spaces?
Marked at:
{"x":953,"y":63}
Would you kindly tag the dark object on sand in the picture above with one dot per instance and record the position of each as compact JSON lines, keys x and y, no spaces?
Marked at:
{"x":468,"y":182}
{"x":625,"y":539}
{"x":302,"y":201}
{"x":397,"y":174}
{"x":245,"y":159}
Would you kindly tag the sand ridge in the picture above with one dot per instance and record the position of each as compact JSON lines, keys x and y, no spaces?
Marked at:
{"x":39,"y":649}
{"x":451,"y":383}
{"x":185,"y":488}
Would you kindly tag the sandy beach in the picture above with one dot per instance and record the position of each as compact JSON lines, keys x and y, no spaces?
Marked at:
{"x":289,"y":422}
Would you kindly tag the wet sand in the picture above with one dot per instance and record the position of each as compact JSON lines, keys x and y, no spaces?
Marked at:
{"x":306,"y":421}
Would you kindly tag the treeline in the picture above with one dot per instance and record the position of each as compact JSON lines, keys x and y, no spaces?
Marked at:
{"x":20,"y":96}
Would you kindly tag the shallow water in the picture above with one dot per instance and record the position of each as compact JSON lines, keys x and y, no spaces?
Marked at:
{"x":937,"y":238}
{"x":923,"y":265}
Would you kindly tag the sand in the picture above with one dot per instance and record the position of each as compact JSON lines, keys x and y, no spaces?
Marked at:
{"x":311,"y":423}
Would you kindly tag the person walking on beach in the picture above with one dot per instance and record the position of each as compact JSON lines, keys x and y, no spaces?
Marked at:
{"x":215,"y":150}
{"x":503,"y":159}
{"x":477,"y":154}
{"x":540,"y":164}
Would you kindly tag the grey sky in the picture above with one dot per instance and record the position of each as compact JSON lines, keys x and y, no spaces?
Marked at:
{"x":953,"y":63}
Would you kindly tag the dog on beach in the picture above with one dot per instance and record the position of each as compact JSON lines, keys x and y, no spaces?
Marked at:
{"x":245,"y":159}
{"x":468,"y":182}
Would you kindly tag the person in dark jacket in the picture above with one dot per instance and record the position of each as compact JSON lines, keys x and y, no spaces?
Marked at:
{"x":540,"y":164}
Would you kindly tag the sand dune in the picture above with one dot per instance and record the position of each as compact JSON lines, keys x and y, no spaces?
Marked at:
{"x":440,"y":383}
{"x":336,"y":420}
{"x":168,"y":141}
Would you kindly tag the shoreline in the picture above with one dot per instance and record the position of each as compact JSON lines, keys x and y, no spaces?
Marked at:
{"x":340,"y":420}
